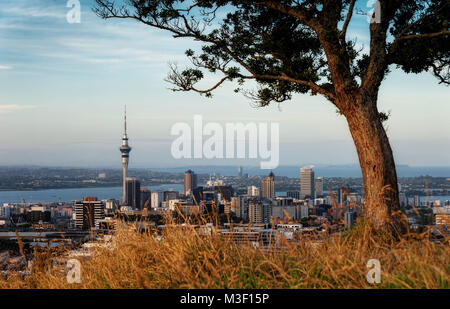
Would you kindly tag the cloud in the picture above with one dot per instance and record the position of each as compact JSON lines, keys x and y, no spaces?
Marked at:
{"x":13,"y":107}
{"x":5,"y":67}
{"x":34,"y":12}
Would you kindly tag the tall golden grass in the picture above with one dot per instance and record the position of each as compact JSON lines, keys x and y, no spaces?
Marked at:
{"x":185,"y":259}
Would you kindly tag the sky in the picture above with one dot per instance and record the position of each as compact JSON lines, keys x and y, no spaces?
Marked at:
{"x":63,"y":88}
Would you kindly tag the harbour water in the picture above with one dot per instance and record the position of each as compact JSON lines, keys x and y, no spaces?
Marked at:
{"x":424,"y":199}
{"x":68,"y":195}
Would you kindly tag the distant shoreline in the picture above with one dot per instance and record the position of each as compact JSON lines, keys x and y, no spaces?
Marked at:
{"x":73,"y":194}
{"x":81,"y":187}
{"x":57,"y":188}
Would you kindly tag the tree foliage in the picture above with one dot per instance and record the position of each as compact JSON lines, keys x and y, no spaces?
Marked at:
{"x":292,"y":46}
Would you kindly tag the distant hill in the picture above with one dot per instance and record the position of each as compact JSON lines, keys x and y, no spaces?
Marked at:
{"x":320,"y":170}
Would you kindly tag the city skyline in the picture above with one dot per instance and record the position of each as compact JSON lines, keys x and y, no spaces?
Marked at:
{"x":246,"y":149}
{"x":79,"y":76}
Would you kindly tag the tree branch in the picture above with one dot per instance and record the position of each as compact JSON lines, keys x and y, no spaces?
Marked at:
{"x":283,"y":77}
{"x":192,"y":88}
{"x":298,"y":13}
{"x":401,"y":35}
{"x":417,"y":36}
{"x":378,"y":63}
{"x":438,"y":73}
{"x":347,"y":20}
{"x":313,"y":86}
{"x":187,"y":30}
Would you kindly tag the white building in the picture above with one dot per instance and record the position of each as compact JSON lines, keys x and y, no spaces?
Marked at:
{"x":6,"y":210}
{"x":320,"y":201}
{"x":173,"y":203}
{"x":307,"y":186}
{"x":252,"y":191}
{"x":157,"y":199}
{"x":110,"y":204}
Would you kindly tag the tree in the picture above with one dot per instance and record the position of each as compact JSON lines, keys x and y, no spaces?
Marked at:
{"x":295,"y":46}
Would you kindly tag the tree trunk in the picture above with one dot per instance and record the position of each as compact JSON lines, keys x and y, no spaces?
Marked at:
{"x":381,"y":204}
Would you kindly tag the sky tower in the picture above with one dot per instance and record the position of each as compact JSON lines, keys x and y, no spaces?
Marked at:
{"x":125,"y":150}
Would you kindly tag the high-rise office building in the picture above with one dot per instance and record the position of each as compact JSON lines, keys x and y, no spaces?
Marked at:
{"x":145,"y":198}
{"x":225,"y":191}
{"x":340,"y":195}
{"x":88,"y":213}
{"x":350,"y":218}
{"x":239,"y":206}
{"x":125,"y":150}
{"x":157,"y":199}
{"x":6,"y":210}
{"x":306,"y":182}
{"x":259,"y":211}
{"x":416,"y":200}
{"x":198,"y":195}
{"x":190,"y":182}
{"x":319,"y":186}
{"x":268,"y":186}
{"x":240,"y":171}
{"x":252,"y":191}
{"x":133,"y":193}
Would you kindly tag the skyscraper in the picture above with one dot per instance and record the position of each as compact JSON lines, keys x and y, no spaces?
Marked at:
{"x":259,"y":211}
{"x":240,"y":171}
{"x":157,"y":198}
{"x":416,"y":200}
{"x":350,"y":218}
{"x":88,"y":213}
{"x":190,"y":182}
{"x":319,"y":186}
{"x":252,"y":191}
{"x":342,"y":196}
{"x":125,"y":150}
{"x":239,"y":206}
{"x":306,"y":182}
{"x":133,"y":193}
{"x":145,"y":198}
{"x":268,"y":186}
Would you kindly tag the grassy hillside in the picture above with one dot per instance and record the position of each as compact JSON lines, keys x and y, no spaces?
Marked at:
{"x":186,"y":260}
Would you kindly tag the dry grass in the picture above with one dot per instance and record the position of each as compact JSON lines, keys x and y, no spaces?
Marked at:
{"x":186,"y":260}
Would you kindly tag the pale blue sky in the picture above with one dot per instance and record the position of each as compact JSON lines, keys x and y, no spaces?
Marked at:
{"x":63,"y":87}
